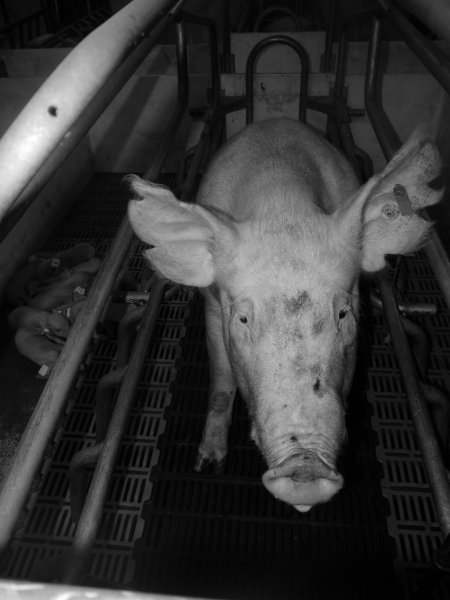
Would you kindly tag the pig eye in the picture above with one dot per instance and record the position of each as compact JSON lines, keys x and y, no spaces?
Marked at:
{"x":243,"y":319}
{"x":343,"y":312}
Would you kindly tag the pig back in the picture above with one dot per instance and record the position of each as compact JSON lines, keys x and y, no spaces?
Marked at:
{"x":277,"y":163}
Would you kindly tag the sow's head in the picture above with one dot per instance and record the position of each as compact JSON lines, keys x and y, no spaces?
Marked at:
{"x":287,"y":292}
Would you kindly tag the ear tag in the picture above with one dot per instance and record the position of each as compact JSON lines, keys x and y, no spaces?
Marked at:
{"x":404,"y":203}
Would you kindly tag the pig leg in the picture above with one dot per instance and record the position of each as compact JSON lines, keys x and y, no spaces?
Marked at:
{"x":213,"y":448}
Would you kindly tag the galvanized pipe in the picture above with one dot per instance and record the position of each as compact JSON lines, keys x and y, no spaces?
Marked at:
{"x":38,"y":434}
{"x":434,"y":13}
{"x":53,"y":110}
{"x":82,"y":125}
{"x":91,"y":515}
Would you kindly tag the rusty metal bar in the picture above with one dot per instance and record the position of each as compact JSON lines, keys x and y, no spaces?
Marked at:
{"x":52,"y":111}
{"x":250,"y":70}
{"x":90,"y":517}
{"x":38,"y":434}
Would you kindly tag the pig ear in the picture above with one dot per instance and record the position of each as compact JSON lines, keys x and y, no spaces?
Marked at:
{"x":184,"y":235}
{"x":390,"y":201}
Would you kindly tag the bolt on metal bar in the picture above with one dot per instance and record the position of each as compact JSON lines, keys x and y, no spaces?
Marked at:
{"x":91,"y":514}
{"x":82,"y":125}
{"x":436,"y":472}
{"x":250,"y":70}
{"x":53,"y":110}
{"x":38,"y":434}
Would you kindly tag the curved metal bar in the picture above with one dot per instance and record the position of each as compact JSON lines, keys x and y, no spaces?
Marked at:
{"x":28,"y":457}
{"x":250,"y":70}
{"x":90,"y":517}
{"x":53,"y":110}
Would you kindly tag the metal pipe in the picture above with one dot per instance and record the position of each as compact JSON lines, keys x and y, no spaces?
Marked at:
{"x":38,"y":434}
{"x":333,"y":9}
{"x":431,"y":56}
{"x":434,"y":14}
{"x":390,"y":142}
{"x":90,"y":517}
{"x":214,"y":51}
{"x":436,"y":472}
{"x":52,"y":111}
{"x":250,"y":70}
{"x":432,"y":458}
{"x":82,"y":125}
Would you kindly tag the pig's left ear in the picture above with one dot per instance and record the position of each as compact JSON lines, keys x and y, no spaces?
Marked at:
{"x":185,"y":236}
{"x":390,"y":200}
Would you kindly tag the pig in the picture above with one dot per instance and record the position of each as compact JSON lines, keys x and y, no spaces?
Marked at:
{"x":280,"y":234}
{"x":39,"y":335}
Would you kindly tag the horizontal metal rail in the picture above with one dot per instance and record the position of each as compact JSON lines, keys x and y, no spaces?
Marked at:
{"x":53,"y":110}
{"x":40,"y":429}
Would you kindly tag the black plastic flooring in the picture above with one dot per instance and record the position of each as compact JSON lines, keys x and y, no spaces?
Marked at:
{"x":167,"y":529}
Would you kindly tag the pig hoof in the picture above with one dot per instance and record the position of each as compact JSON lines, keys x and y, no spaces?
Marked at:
{"x":204,"y":463}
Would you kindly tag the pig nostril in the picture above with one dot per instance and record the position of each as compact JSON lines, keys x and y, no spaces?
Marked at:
{"x":293,"y":438}
{"x":316,"y":385}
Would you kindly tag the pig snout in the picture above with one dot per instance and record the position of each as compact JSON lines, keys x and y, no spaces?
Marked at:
{"x":303,"y":480}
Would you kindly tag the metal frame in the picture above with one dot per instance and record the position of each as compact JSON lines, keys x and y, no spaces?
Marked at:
{"x":250,"y":71}
{"x":416,"y":394}
{"x":48,"y":118}
{"x":27,"y":460}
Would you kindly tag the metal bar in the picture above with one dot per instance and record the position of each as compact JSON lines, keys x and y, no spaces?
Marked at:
{"x":250,"y":70}
{"x":28,"y":457}
{"x":82,"y":125}
{"x":431,"y":56}
{"x":333,"y":10}
{"x":390,"y":142}
{"x":226,"y":37}
{"x":24,"y":590}
{"x":214,"y":51}
{"x":90,"y":517}
{"x":52,"y":111}
{"x":436,"y":471}
{"x":435,"y":14}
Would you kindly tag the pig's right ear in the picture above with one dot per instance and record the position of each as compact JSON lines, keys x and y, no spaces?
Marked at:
{"x":184,"y":235}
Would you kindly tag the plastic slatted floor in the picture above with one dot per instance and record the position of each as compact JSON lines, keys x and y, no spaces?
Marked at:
{"x":167,"y":529}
